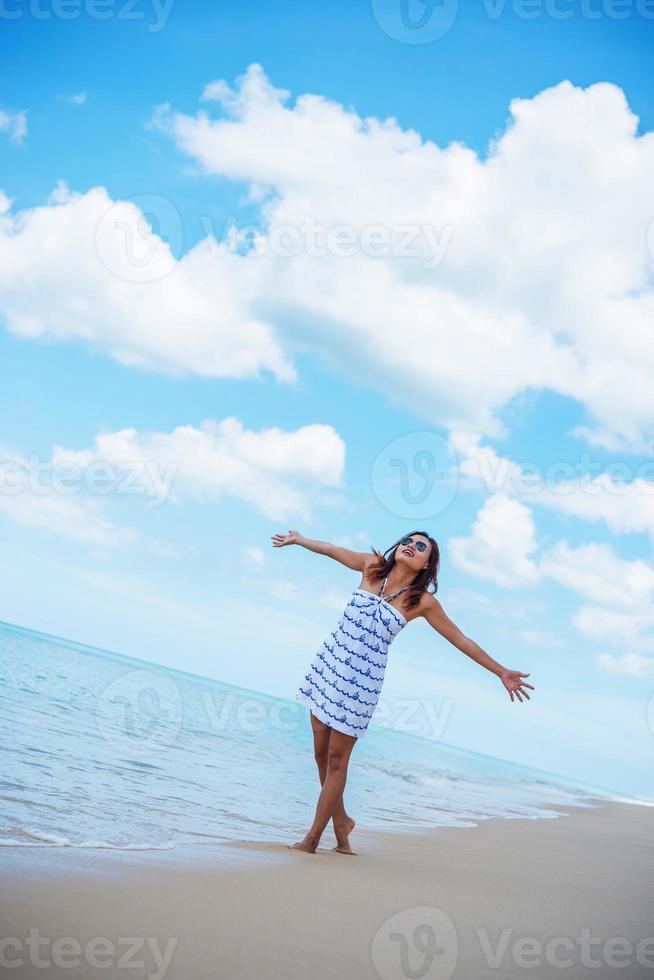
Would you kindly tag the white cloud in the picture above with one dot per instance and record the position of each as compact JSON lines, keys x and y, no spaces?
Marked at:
{"x":76,"y":516}
{"x":620,"y":592}
{"x":279,"y":589}
{"x":501,"y":548}
{"x":629,"y":664}
{"x":624,"y":507}
{"x":78,"y":99}
{"x":282,"y":474}
{"x":358,"y":541}
{"x":254,"y":558}
{"x":546,"y":280}
{"x":469,"y":601}
{"x":597,"y":573}
{"x":14,"y":124}
{"x":615,"y":627}
{"x":623,"y":501}
{"x":500,"y":545}
{"x":334,"y":600}
{"x":74,"y":269}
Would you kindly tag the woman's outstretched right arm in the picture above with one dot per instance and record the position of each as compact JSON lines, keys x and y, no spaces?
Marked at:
{"x":356,"y":560}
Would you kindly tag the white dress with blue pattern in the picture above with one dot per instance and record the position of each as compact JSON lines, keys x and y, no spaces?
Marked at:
{"x":346,"y":674}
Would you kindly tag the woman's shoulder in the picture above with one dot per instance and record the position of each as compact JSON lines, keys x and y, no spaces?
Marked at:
{"x":426,"y":602}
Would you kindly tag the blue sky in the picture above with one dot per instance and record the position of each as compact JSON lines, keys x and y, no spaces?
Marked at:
{"x":527,"y":343}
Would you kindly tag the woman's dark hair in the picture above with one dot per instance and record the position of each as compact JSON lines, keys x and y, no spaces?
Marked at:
{"x":386,"y":562}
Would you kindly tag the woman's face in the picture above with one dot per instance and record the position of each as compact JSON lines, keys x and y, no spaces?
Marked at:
{"x":408,"y":551}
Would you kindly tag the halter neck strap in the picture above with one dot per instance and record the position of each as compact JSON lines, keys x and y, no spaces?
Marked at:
{"x":394,"y":594}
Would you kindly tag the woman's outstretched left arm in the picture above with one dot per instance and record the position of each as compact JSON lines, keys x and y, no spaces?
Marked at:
{"x":437,"y":617}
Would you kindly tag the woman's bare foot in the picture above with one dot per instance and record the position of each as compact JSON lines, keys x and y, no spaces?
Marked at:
{"x":343,"y":832}
{"x":309,"y":844}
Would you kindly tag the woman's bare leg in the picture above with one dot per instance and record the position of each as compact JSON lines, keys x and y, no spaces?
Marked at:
{"x":338,"y":757}
{"x":343,"y":823}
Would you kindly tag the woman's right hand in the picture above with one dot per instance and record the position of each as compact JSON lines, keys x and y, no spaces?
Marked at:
{"x":279,"y":540}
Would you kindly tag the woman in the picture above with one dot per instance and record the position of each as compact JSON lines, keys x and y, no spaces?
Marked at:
{"x":345,"y":676}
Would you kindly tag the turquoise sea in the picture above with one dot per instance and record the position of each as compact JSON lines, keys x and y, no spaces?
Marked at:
{"x":102,"y":750}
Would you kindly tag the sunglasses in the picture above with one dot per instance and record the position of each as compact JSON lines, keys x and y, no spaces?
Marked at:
{"x":420,"y":545}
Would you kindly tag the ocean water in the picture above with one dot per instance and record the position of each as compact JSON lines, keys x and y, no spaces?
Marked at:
{"x":101,"y":750}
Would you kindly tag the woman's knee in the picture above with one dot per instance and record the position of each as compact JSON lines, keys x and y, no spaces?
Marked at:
{"x":337,"y":758}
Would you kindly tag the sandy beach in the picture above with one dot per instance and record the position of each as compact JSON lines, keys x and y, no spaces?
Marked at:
{"x":565,"y":897}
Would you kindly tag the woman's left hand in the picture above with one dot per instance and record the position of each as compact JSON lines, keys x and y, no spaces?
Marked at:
{"x":513,"y":684}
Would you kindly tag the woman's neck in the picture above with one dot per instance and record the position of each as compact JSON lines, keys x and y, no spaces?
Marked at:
{"x":399,"y":580}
